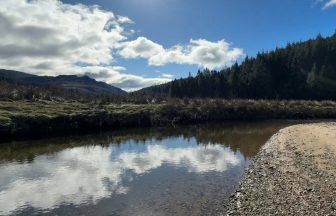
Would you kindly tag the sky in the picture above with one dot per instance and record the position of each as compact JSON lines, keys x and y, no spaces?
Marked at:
{"x":133,"y":44}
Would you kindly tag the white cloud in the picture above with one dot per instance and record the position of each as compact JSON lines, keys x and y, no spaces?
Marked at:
{"x":200,"y":52}
{"x":114,"y":76}
{"x":165,"y":75}
{"x":326,"y":3}
{"x":48,"y":37}
{"x":88,"y":174}
{"x":48,"y":29}
{"x":141,"y":47}
{"x":329,"y":4}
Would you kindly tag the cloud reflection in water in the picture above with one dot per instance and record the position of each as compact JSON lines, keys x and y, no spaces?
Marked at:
{"x":87,"y":174}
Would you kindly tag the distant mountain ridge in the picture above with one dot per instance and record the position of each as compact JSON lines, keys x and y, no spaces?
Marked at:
{"x":83,"y":84}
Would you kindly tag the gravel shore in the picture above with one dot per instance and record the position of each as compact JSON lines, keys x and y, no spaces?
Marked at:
{"x":294,"y":174}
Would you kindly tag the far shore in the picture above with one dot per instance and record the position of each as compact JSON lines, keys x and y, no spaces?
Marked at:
{"x":293,"y":174}
{"x":36,"y":118}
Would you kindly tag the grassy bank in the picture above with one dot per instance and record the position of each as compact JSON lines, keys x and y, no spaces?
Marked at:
{"x":19,"y":118}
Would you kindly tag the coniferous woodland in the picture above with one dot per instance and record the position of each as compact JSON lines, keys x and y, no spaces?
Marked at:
{"x":302,"y":70}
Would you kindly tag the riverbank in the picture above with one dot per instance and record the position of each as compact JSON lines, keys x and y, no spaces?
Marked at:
{"x":293,"y":174}
{"x":26,"y":118}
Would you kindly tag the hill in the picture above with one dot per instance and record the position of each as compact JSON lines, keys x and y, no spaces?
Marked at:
{"x":80,"y":84}
{"x":302,"y":70}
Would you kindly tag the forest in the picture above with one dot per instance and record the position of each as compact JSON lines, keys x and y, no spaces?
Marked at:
{"x":301,"y":70}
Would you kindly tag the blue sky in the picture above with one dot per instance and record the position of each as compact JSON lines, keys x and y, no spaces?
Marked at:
{"x":252,"y":25}
{"x":223,"y":31}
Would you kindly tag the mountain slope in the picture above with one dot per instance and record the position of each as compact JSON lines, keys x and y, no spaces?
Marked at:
{"x":303,"y":70}
{"x":82,"y":84}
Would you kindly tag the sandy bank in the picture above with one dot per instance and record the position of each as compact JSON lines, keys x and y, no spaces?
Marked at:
{"x":294,"y":174}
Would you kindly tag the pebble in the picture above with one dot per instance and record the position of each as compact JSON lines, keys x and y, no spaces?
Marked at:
{"x":284,"y":181}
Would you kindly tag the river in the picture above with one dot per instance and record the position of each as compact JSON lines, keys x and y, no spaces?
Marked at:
{"x":189,"y":170}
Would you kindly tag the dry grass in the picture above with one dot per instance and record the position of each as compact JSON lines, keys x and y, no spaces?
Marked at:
{"x":28,"y":116}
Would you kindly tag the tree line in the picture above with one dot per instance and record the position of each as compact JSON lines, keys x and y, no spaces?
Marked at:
{"x":301,"y":70}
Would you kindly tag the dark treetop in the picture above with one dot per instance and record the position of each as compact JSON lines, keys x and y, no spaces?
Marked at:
{"x":303,"y":70}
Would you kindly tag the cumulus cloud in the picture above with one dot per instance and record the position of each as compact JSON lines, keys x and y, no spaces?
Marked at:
{"x":42,"y":29}
{"x":116,"y":77}
{"x":48,"y":37}
{"x":141,"y":47}
{"x":199,"y":52}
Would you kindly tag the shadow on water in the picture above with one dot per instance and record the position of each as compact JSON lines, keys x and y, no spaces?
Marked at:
{"x":189,"y":170}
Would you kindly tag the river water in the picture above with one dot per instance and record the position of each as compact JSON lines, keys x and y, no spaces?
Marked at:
{"x":189,"y":170}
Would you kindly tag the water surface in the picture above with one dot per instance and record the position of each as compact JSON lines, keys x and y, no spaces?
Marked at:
{"x":190,"y":170}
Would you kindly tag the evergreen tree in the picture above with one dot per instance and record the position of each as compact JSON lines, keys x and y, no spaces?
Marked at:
{"x":303,"y":70}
